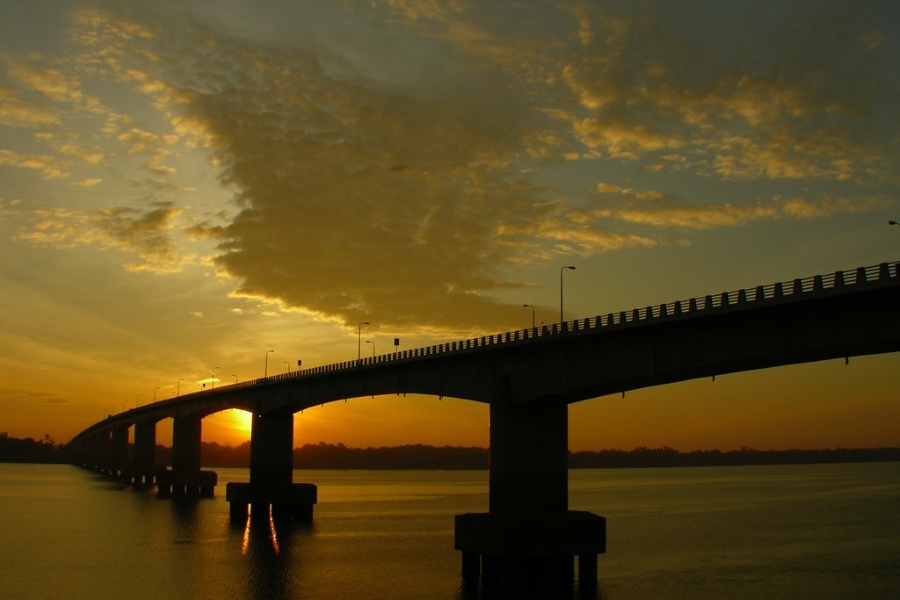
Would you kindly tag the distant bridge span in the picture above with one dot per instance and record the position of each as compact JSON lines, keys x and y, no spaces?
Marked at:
{"x":529,"y":377}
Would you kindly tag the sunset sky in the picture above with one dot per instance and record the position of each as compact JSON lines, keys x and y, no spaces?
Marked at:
{"x":185,"y":185}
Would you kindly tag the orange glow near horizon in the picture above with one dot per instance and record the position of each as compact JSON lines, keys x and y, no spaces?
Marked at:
{"x":164,"y":234}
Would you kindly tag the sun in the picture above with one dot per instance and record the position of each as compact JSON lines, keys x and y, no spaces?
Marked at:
{"x":241,"y":421}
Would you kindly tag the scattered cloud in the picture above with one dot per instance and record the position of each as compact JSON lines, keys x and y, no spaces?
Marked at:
{"x":787,"y":106}
{"x":147,"y":234}
{"x":665,"y":210}
{"x":53,"y":83}
{"x":88,"y":183}
{"x":15,"y":111}
{"x":50,"y":167}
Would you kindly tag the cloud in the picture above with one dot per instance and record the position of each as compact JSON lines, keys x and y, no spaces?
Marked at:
{"x":808,"y":100}
{"x":666,"y":210}
{"x":146,"y":234}
{"x":15,"y":111}
{"x":53,"y":83}
{"x":386,"y":162}
{"x":155,"y":146}
{"x":70,"y":144}
{"x":88,"y":183}
{"x":50,"y":167}
{"x":328,"y":221}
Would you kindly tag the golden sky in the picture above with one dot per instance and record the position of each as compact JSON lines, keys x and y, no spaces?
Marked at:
{"x":185,"y":185}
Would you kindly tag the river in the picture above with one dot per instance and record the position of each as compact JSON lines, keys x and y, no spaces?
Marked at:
{"x":794,"y":532}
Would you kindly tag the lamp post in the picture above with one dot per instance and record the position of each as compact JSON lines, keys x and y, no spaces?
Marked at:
{"x":532,"y":313}
{"x":359,"y":340}
{"x":287,"y":365}
{"x":154,"y":393}
{"x":212,"y":381}
{"x":373,"y":347}
{"x":561,"y":270}
{"x":266,"y":371}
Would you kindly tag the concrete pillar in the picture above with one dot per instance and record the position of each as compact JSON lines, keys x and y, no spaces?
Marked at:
{"x":529,"y":474}
{"x":144,"y":464}
{"x":272,"y":448}
{"x":271,"y":474}
{"x":186,"y":478}
{"x":119,"y":453}
{"x":186,"y":436}
{"x":100,"y":452}
{"x":530,"y":539}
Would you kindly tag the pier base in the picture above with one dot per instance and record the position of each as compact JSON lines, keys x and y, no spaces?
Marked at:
{"x":529,"y":554}
{"x":180,"y":484}
{"x":142,"y":478}
{"x":288,"y":500}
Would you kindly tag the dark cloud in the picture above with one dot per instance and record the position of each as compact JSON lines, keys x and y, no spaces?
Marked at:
{"x":147,"y":234}
{"x":358,"y":198}
{"x":741,"y":90}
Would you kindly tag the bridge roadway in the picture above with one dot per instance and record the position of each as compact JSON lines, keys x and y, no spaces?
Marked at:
{"x":528,"y":377}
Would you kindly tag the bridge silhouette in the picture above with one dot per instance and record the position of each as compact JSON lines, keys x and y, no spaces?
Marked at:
{"x":528,"y":377}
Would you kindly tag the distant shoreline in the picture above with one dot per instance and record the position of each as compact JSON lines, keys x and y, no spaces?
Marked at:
{"x":425,"y":457}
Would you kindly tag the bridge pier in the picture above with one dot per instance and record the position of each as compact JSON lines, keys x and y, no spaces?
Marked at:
{"x":529,"y":539}
{"x":185,"y":478}
{"x":271,"y":474}
{"x":143,"y":471}
{"x":118,"y":454}
{"x":98,"y":453}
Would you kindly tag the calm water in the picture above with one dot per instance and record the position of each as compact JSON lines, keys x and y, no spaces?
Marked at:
{"x":823,"y":531}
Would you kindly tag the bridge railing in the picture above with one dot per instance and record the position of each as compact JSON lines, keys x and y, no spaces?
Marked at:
{"x":679,"y":309}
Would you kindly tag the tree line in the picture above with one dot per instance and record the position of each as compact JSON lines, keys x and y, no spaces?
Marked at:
{"x":30,"y":450}
{"x":421,"y":456}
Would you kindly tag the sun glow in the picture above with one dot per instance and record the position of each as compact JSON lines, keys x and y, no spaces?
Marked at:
{"x":231,"y":427}
{"x":241,"y":421}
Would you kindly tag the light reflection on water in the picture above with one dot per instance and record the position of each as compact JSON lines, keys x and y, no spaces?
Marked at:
{"x":828,"y":531}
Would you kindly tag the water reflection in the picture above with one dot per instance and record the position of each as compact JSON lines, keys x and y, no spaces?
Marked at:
{"x":266,"y":542}
{"x":468,"y":591}
{"x":530,"y":582}
{"x":265,"y":525}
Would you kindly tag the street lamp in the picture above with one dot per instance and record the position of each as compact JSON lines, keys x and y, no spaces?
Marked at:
{"x":178,"y":386}
{"x":212,"y":381}
{"x":561,"y":270}
{"x":154,"y":393}
{"x":358,"y":340}
{"x":532,"y":313}
{"x":373,"y":347}
{"x":266,"y":371}
{"x":286,"y":365}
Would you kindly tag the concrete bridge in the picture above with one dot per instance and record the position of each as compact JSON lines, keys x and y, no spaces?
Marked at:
{"x":528,"y":377}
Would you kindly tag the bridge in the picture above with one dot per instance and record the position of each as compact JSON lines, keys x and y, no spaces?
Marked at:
{"x":528,"y":377}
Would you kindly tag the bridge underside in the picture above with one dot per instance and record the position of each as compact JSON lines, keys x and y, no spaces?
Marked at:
{"x":585,"y":367}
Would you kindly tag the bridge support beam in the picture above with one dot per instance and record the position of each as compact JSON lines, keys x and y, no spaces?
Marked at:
{"x":185,"y":478}
{"x":118,"y":455}
{"x":529,"y":538}
{"x":271,"y":489}
{"x":98,"y":455}
{"x":143,"y":467}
